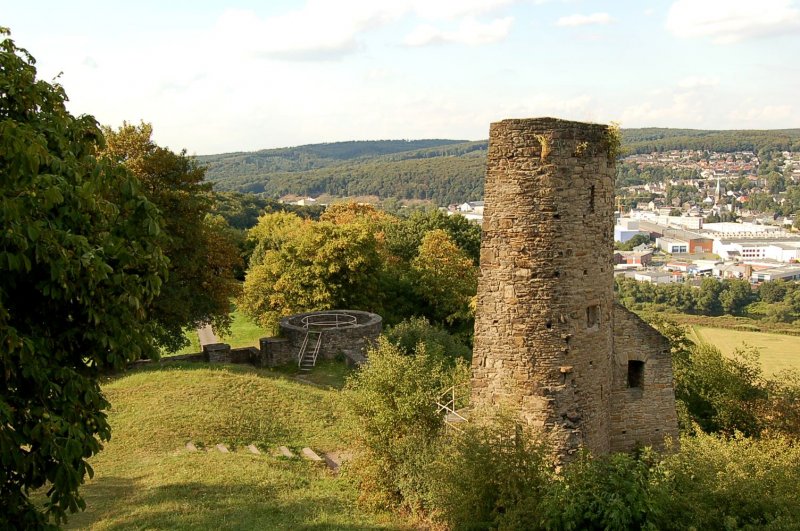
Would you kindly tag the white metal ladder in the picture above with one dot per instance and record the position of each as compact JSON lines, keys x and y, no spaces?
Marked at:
{"x":307,"y":358}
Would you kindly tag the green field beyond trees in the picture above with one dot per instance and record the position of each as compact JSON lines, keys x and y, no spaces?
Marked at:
{"x":777,"y":351}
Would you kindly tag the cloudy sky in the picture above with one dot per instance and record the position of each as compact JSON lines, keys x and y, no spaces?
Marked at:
{"x":244,"y":75}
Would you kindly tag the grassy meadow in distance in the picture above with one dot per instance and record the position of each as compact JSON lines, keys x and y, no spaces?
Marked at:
{"x":778,"y":351}
{"x":244,"y":333}
{"x":146,"y":479}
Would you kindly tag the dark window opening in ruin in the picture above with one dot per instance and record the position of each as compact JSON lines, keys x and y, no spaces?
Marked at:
{"x":593,"y":316}
{"x":635,"y":374}
{"x":591,"y":199}
{"x":556,"y":216}
{"x":585,"y":271}
{"x":549,"y":324}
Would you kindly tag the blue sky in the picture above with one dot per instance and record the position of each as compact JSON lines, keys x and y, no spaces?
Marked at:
{"x":228,"y":76}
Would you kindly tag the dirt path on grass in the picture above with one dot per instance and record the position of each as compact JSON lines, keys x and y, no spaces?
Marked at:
{"x":207,"y":336}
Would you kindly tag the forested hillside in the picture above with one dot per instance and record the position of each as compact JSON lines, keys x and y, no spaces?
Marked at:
{"x":443,"y":171}
{"x":649,"y":139}
{"x":440,"y":170}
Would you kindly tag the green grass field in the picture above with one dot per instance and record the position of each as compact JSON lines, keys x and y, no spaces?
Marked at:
{"x":244,"y":333}
{"x":146,"y":479}
{"x":778,"y":351}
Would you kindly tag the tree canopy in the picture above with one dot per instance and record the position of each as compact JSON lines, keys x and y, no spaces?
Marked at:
{"x":203,"y":256}
{"x":80,"y":264}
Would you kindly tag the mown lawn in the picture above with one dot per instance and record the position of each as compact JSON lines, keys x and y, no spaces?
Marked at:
{"x":244,"y":333}
{"x":778,"y":351}
{"x":146,"y":479}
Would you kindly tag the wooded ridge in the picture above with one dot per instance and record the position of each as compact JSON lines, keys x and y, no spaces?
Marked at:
{"x":440,"y":170}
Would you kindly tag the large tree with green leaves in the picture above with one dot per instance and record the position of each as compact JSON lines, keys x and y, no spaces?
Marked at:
{"x":301,"y":265}
{"x":80,"y":262}
{"x":202,"y":254}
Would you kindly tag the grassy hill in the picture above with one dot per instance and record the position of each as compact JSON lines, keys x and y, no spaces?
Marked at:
{"x":146,"y":479}
{"x":442,"y":171}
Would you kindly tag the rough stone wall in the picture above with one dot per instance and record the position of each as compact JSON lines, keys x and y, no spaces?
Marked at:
{"x":641,"y":415}
{"x":275,"y":351}
{"x":542,"y":333}
{"x":544,"y":324}
{"x":351,"y":341}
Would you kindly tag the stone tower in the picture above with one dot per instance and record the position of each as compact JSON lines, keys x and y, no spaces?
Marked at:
{"x":546,"y":343}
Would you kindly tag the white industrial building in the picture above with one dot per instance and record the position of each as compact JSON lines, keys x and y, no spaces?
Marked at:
{"x":625,"y":229}
{"x":776,"y":273}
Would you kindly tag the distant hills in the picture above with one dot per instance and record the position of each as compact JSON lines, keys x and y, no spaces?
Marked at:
{"x":440,"y":170}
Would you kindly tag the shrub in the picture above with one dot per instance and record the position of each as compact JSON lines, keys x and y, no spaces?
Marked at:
{"x":410,"y":332}
{"x":491,"y":475}
{"x":618,"y":491}
{"x":393,"y":398}
{"x":716,"y":482}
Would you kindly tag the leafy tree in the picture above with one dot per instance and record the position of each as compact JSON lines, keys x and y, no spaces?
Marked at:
{"x":446,"y":277}
{"x":708,"y":297}
{"x":635,"y":241}
{"x":735,"y":296}
{"x":203,"y":256}
{"x":609,"y":492}
{"x":493,"y":474}
{"x":773,"y":291}
{"x":80,"y":262}
{"x":737,"y":482}
{"x":405,"y":238}
{"x":415,"y":330}
{"x":300,"y":265}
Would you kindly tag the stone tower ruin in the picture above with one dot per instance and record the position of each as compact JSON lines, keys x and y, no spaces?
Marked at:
{"x":550,"y":342}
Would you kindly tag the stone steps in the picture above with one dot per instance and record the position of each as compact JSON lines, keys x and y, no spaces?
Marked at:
{"x":332,"y":460}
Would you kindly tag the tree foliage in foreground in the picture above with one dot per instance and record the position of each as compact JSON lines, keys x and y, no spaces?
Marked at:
{"x":494,"y":473}
{"x":203,"y":257}
{"x":80,"y":261}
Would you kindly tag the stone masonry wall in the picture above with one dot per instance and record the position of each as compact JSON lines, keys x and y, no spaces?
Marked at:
{"x":641,"y":416}
{"x":542,"y":334}
{"x":544,"y":341}
{"x":352,"y":342}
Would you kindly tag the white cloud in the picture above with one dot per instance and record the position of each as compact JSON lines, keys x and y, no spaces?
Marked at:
{"x":320,"y":30}
{"x":584,"y":20}
{"x":757,"y":116}
{"x":730,"y":21}
{"x":324,"y":30}
{"x":469,"y":31}
{"x":682,"y":109}
{"x":454,"y":9}
{"x":694,"y":82}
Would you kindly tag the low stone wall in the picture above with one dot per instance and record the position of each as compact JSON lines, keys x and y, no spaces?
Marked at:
{"x":275,"y":351}
{"x":223,"y":353}
{"x":357,"y":332}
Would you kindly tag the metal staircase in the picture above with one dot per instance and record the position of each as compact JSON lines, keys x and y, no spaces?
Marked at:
{"x":307,"y":358}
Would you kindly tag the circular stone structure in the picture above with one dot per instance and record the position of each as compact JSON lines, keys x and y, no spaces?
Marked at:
{"x":347,"y":332}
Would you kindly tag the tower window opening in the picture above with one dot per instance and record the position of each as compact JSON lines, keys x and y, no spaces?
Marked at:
{"x":591,"y":199}
{"x":635,"y":374}
{"x":593,"y":316}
